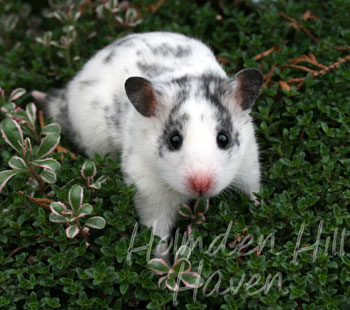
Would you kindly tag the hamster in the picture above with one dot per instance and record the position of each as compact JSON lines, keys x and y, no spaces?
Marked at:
{"x":163,"y":102}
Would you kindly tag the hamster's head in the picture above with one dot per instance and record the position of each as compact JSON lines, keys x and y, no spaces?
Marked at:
{"x":200,"y":128}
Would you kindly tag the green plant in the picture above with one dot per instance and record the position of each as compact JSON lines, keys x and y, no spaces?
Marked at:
{"x":74,"y":213}
{"x":179,"y":272}
{"x":32,"y":162}
{"x":200,"y":208}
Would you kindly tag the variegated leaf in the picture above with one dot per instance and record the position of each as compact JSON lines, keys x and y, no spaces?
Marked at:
{"x":159,"y":266}
{"x":96,"y":222}
{"x":85,"y":209}
{"x":6,"y":175}
{"x":182,"y":263}
{"x":47,"y":163}
{"x":57,"y":208}
{"x":17,"y":163}
{"x":102,"y":179}
{"x":12,"y":134}
{"x":162,"y":282}
{"x":185,"y":210}
{"x":171,"y":284}
{"x":48,"y":145}
{"x":31,"y":113}
{"x":57,"y":218}
{"x":76,"y":194}
{"x":95,"y":185}
{"x":72,"y":231}
{"x":51,"y":128}
{"x":48,"y":176}
{"x":192,"y":279}
{"x":200,"y":219}
{"x":27,"y":145}
{"x":183,"y":252}
{"x":201,"y":206}
{"x":18,"y":92}
{"x":88,"y":169}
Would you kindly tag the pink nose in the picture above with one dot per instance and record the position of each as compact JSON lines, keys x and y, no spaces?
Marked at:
{"x":200,"y":183}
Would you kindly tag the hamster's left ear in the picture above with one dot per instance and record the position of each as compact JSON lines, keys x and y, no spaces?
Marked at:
{"x":244,"y":87}
{"x":142,"y":95}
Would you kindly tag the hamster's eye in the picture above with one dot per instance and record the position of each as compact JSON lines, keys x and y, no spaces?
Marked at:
{"x":222,"y":140}
{"x":175,"y":141}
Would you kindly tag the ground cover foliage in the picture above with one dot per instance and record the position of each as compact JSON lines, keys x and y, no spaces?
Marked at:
{"x":303,"y":128}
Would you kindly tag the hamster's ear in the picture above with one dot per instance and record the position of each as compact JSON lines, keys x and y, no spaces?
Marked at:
{"x":142,"y":95}
{"x":244,"y":87}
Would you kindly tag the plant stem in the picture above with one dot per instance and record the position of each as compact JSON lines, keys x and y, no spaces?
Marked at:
{"x":35,"y":176}
{"x":48,"y":54}
{"x":67,"y":54}
{"x":83,"y":234}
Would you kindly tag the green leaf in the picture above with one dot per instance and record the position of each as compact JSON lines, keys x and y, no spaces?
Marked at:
{"x":200,"y":219}
{"x":48,"y":176}
{"x":8,"y":108}
{"x":88,"y":169}
{"x":17,"y":163}
{"x":96,"y":222}
{"x":171,"y":284}
{"x":102,"y":179}
{"x":192,"y":279}
{"x":48,"y":145}
{"x":12,"y":134}
{"x":31,"y":113}
{"x":162,"y":282}
{"x":47,"y":163}
{"x":183,"y":252}
{"x":57,"y":208}
{"x":85,"y":209}
{"x":124,"y":287}
{"x":182,"y":263}
{"x":201,"y":206}
{"x":52,"y":302}
{"x":72,"y":231}
{"x":95,"y":185}
{"x":159,"y":266}
{"x":185,"y":210}
{"x":6,"y":175}
{"x":16,"y":93}
{"x":4,"y":301}
{"x":76,"y":194}
{"x":51,"y":128}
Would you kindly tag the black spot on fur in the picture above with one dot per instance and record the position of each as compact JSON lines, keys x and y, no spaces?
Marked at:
{"x":235,"y":139}
{"x":125,"y":42}
{"x":86,"y":83}
{"x":95,"y":104}
{"x":210,"y":88}
{"x":111,"y":117}
{"x":174,"y":123}
{"x":152,"y":70}
{"x":114,"y":113}
{"x":183,"y":89}
{"x":109,"y":57}
{"x":166,"y":50}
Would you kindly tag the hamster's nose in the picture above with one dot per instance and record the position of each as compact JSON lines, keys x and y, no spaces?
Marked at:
{"x":200,"y":183}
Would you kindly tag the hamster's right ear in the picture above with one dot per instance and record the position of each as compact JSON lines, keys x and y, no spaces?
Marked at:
{"x":244,"y":87}
{"x":39,"y":97}
{"x":142,"y":95}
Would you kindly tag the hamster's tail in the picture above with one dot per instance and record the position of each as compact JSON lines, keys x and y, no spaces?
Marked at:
{"x":55,"y":105}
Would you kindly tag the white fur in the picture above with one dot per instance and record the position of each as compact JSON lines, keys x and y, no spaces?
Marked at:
{"x":161,"y":182}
